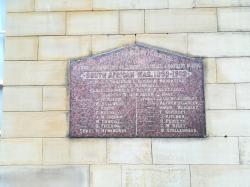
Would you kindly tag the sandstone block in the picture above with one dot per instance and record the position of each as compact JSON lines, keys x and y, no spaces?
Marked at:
{"x":105,"y":175}
{"x":132,"y":151}
{"x":63,"y":5}
{"x":172,"y":42}
{"x":230,"y":70}
{"x":217,"y":176}
{"x":35,"y":23}
{"x":131,"y":21}
{"x":234,"y":19}
{"x":195,"y":151}
{"x":104,"y":43}
{"x":55,"y":98}
{"x":22,"y":99}
{"x":74,"y":151}
{"x":35,"y":124}
{"x":155,"y":175}
{"x":63,"y":47}
{"x":180,"y":20}
{"x":220,"y":96}
{"x":228,"y":122}
{"x":98,"y":22}
{"x":27,"y":45}
{"x":243,"y":95}
{"x":20,"y":151}
{"x":217,"y":44}
{"x":35,"y":73}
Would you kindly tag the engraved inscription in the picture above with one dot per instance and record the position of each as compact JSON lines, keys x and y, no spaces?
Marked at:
{"x":137,"y":91}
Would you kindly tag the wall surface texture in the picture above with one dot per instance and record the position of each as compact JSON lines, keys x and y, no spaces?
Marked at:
{"x":41,"y":37}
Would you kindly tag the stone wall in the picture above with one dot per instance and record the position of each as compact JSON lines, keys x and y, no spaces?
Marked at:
{"x":42,"y":35}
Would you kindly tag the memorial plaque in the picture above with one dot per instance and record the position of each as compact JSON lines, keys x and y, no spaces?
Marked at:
{"x":137,"y":91}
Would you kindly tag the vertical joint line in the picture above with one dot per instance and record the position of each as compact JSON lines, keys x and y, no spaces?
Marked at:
{"x":136,"y":131}
{"x":235,"y":95}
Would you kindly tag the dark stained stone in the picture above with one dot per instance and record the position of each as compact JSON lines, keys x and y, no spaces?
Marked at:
{"x":137,"y":91}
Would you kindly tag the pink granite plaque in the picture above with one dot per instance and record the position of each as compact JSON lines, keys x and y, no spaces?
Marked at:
{"x":137,"y":91}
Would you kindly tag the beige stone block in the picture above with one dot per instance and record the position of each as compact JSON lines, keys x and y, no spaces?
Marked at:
{"x":20,"y":151}
{"x":231,"y":70}
{"x":41,"y":176}
{"x":219,"y":44}
{"x":244,"y":145}
{"x":35,"y":73}
{"x":102,"y":43}
{"x":243,"y":95}
{"x":245,"y":2}
{"x":63,"y":5}
{"x":173,"y":42}
{"x":63,"y":47}
{"x":35,"y":23}
{"x":21,"y":48}
{"x":211,"y":150}
{"x":219,"y":3}
{"x":180,"y":20}
{"x":218,"y":176}
{"x":132,"y":151}
{"x":210,"y":70}
{"x":228,"y":122}
{"x":181,"y":3}
{"x":35,"y":124}
{"x":98,"y":22}
{"x":155,"y":175}
{"x":131,"y":21}
{"x":234,"y":19}
{"x":22,"y":99}
{"x":220,"y":96}
{"x":105,"y":175}
{"x":19,"y":6}
{"x":129,"y":4}
{"x":74,"y":151}
{"x":55,"y":98}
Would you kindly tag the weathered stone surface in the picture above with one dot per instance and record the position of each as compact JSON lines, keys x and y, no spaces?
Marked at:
{"x":20,"y":6}
{"x":196,"y":151}
{"x":28,"y":46}
{"x":181,"y":3}
{"x":98,"y":22}
{"x":20,"y":151}
{"x":137,"y":91}
{"x":216,"y":44}
{"x":22,"y":99}
{"x":220,"y":96}
{"x":102,"y":43}
{"x":180,"y":20}
{"x":220,"y":3}
{"x":210,"y":70}
{"x":228,"y":122}
{"x":132,"y":151}
{"x":234,"y":19}
{"x":55,"y":98}
{"x":129,"y":4}
{"x":35,"y":124}
{"x":63,"y":47}
{"x":155,"y":176}
{"x":105,"y":175}
{"x":244,"y":145}
{"x":173,"y":42}
{"x":243,"y":95}
{"x":35,"y":23}
{"x":218,"y":176}
{"x":63,"y":5}
{"x":131,"y":21}
{"x":35,"y":73}
{"x":49,"y":176}
{"x":74,"y":151}
{"x":233,"y":70}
